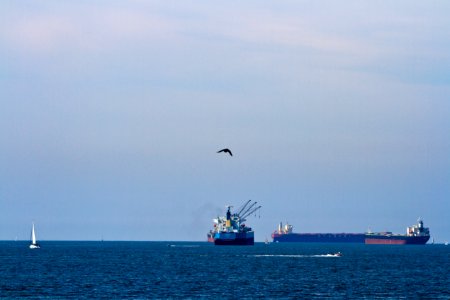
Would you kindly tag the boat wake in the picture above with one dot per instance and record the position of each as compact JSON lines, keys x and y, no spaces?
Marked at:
{"x":183,"y":246}
{"x":296,"y":255}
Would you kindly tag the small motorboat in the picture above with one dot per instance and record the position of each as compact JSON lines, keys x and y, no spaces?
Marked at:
{"x":337,"y":254}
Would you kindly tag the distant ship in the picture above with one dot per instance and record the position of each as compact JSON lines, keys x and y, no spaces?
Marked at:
{"x":285,"y":234}
{"x":231,"y":230}
{"x":416,"y":234}
{"x":34,"y":244}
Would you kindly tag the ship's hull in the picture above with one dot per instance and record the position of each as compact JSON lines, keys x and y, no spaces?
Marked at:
{"x":34,"y":246}
{"x":210,"y":237}
{"x":234,"y":238}
{"x":319,"y":237}
{"x":380,"y":239}
{"x":359,"y":238}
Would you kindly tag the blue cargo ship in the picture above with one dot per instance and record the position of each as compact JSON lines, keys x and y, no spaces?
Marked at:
{"x":231,"y":229}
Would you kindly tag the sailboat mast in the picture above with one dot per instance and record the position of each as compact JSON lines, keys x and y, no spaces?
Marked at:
{"x":33,"y":235}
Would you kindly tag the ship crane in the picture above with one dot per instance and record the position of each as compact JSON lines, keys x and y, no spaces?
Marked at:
{"x":245,"y":213}
{"x":243,"y":207}
{"x":249,"y":213}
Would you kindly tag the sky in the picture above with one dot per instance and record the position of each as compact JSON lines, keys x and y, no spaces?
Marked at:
{"x":111,"y":113}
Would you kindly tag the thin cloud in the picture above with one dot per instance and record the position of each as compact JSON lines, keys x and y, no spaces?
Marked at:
{"x":83,"y":30}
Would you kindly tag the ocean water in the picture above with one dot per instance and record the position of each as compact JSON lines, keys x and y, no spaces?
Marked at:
{"x":201,"y":270}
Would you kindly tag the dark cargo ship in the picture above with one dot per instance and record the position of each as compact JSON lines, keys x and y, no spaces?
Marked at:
{"x":416,"y":234}
{"x":285,"y":234}
{"x":231,"y":230}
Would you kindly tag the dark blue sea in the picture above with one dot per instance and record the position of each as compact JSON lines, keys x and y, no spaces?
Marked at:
{"x":164,"y":270}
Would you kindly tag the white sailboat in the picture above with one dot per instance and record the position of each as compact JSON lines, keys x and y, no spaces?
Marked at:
{"x":33,"y":244}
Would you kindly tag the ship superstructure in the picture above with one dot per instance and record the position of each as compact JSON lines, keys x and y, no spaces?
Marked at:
{"x":231,"y":229}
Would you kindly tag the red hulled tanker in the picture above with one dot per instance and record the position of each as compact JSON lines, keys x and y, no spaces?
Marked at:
{"x":415,"y":235}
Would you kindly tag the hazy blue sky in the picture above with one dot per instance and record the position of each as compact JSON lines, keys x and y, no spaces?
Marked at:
{"x":111,"y":113}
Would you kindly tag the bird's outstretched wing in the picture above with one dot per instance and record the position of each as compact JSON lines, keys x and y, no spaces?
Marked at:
{"x":226,"y":150}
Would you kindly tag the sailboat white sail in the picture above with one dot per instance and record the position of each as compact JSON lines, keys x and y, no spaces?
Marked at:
{"x":33,"y":244}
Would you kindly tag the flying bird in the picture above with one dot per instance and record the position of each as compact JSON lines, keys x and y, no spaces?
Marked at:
{"x":226,"y":150}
